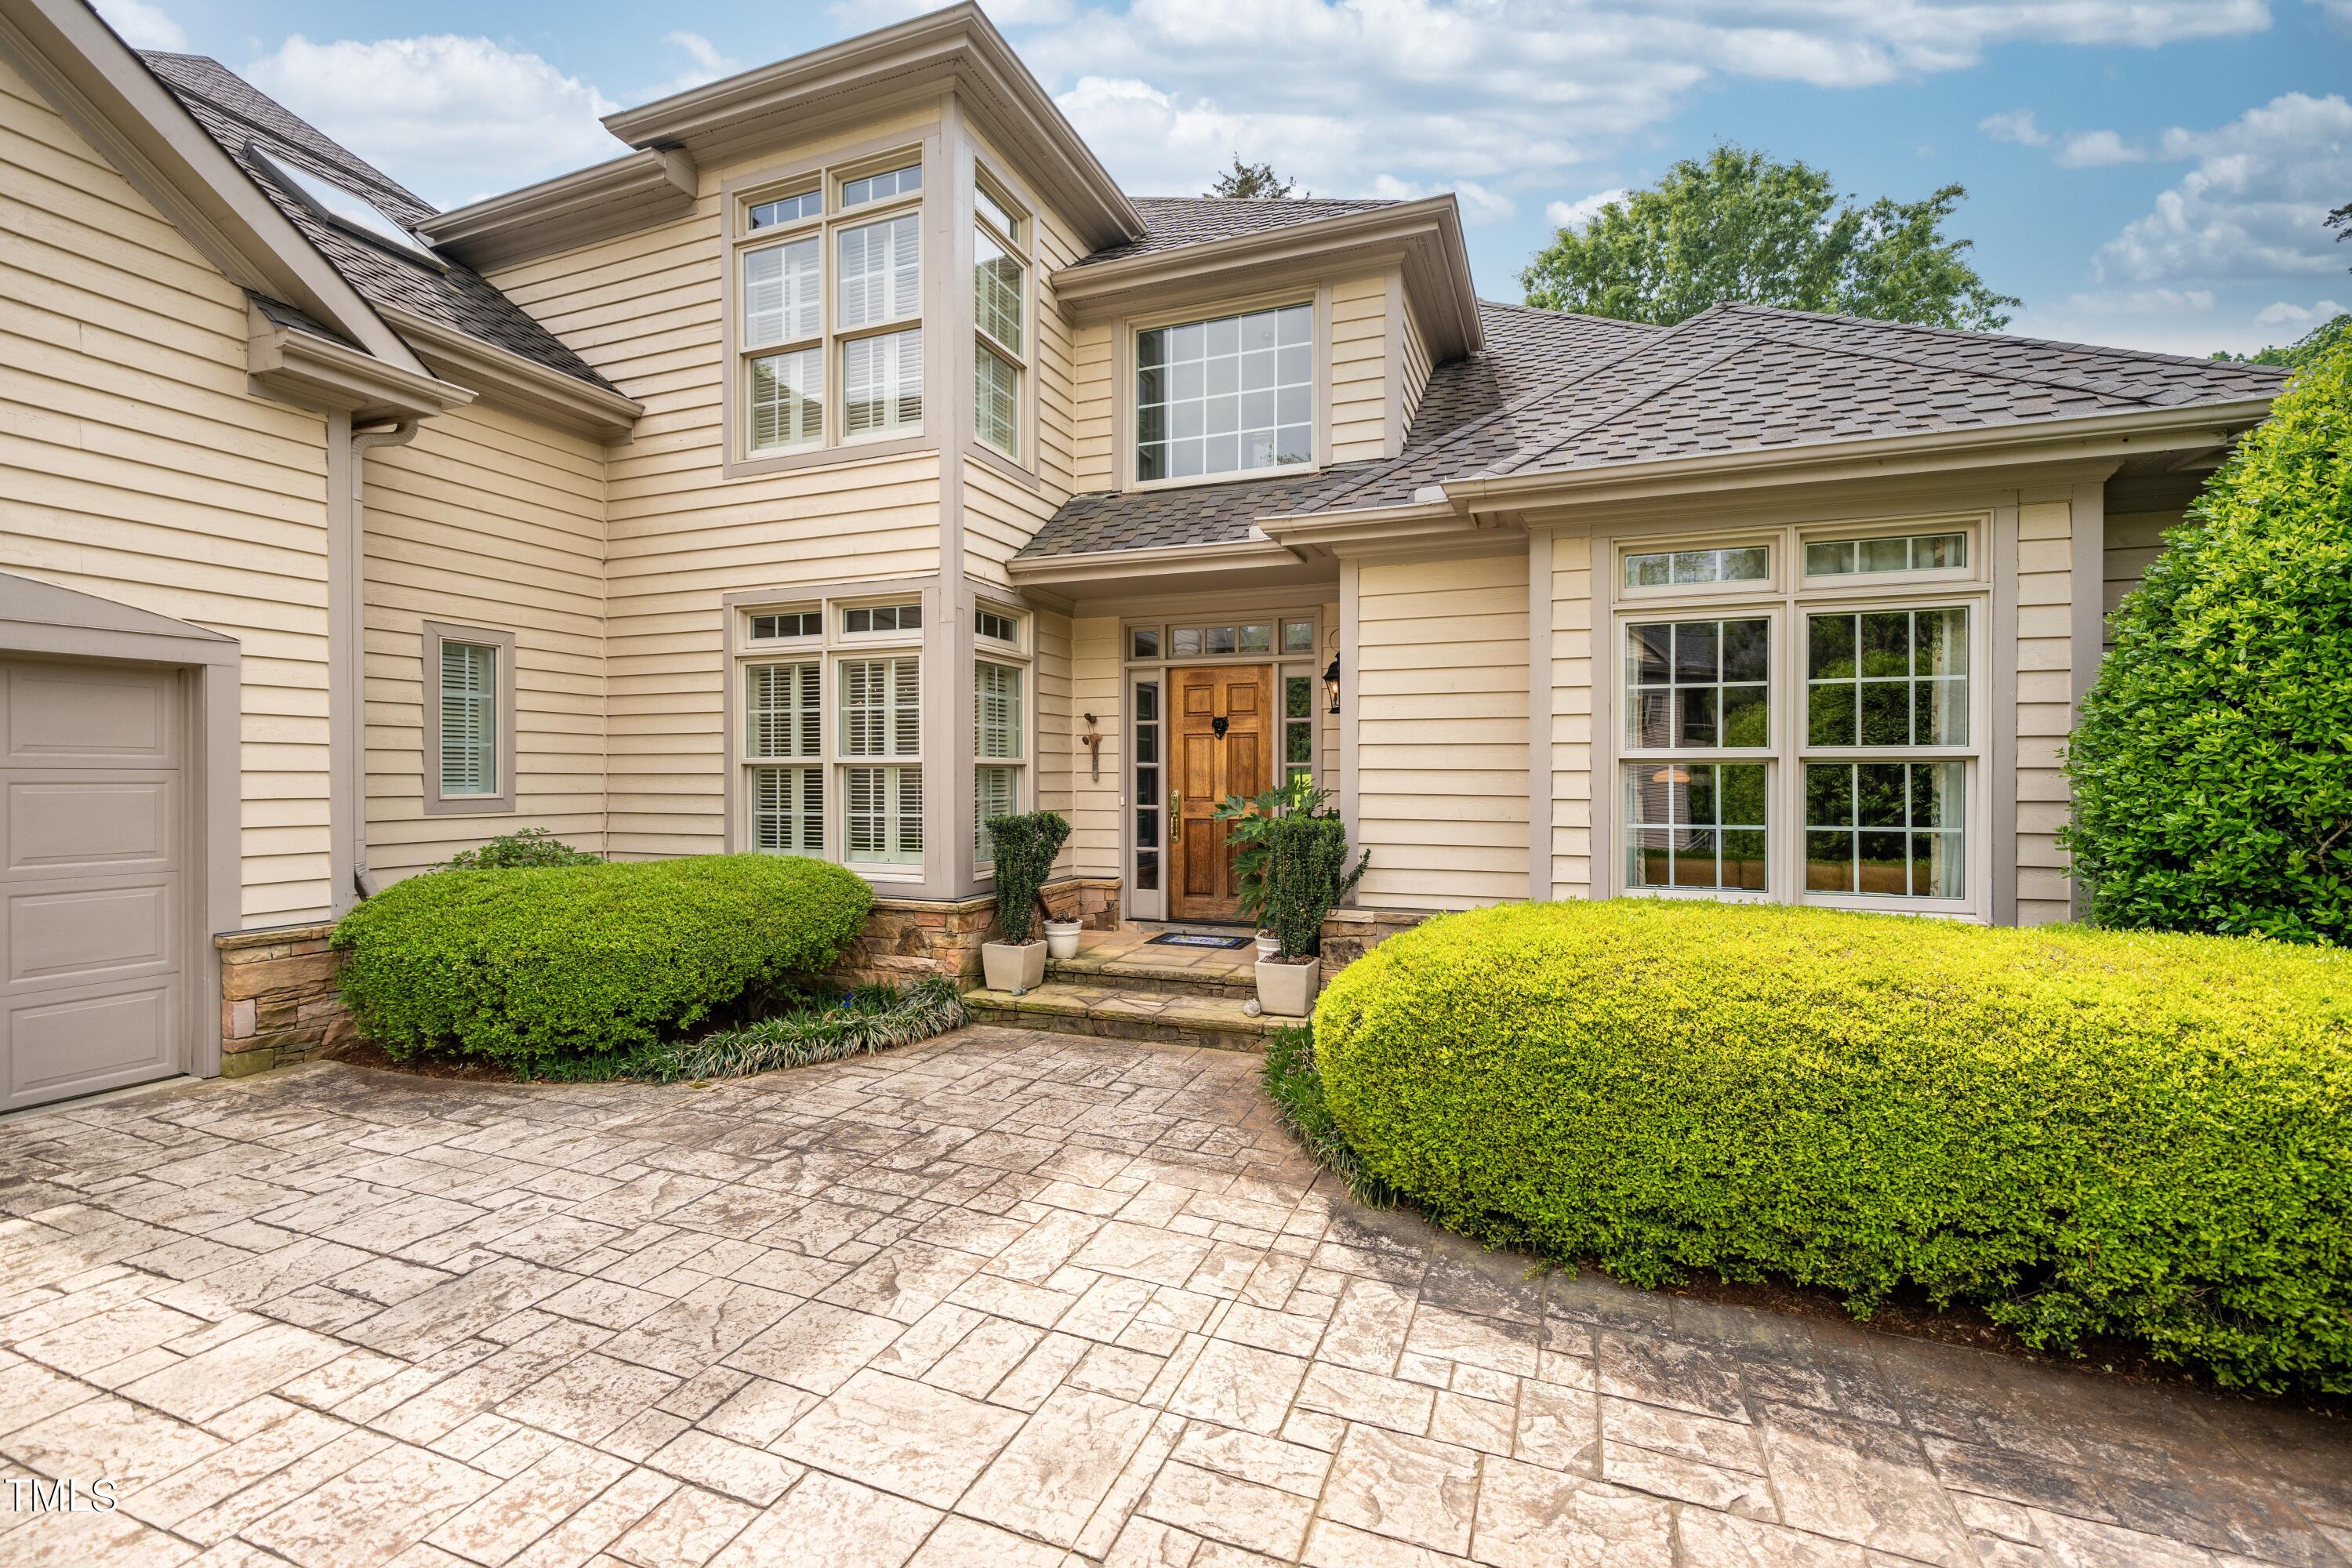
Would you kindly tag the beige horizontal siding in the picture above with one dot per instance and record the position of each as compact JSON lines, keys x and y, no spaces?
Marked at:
{"x":1058,"y":752}
{"x":1442,"y":732}
{"x":1092,"y":393}
{"x":1359,"y":368}
{"x":1416,"y":366}
{"x":2044,"y":707}
{"x":2134,"y":540}
{"x":138,"y":466}
{"x":1096,"y":688}
{"x":1572,"y":803}
{"x":646,"y":310}
{"x":486,"y":520}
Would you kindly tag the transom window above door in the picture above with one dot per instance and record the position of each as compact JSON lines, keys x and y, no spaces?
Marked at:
{"x":1229,"y":394}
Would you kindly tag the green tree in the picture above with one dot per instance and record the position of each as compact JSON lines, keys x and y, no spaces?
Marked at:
{"x":1252,"y":183}
{"x":2322,"y":340}
{"x":1742,"y":227}
{"x":2212,"y":767}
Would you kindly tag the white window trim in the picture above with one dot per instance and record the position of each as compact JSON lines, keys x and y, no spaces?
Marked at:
{"x":1784,"y":775}
{"x":502,"y":803}
{"x":1126,"y":421}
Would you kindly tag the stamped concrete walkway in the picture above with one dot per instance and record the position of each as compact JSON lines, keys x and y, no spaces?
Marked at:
{"x":1003,"y":1298}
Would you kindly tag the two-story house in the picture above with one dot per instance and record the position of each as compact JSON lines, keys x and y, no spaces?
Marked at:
{"x":854,"y":460}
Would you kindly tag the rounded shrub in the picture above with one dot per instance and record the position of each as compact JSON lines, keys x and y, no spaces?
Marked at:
{"x":523,"y":967}
{"x":2212,"y":768}
{"x":2085,"y":1133}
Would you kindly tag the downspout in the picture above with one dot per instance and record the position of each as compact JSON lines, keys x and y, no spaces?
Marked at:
{"x":346,"y":651}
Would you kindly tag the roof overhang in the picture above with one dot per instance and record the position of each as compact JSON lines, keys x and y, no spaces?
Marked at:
{"x":958,"y":48}
{"x":307,"y":371}
{"x":109,"y":97}
{"x":2194,"y":427}
{"x":1422,"y":237}
{"x":512,"y":382}
{"x":639,"y":191}
{"x":1254,"y":561}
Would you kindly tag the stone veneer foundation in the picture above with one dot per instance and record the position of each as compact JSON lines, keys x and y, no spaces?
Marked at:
{"x":1349,"y":934}
{"x":279,"y":1001}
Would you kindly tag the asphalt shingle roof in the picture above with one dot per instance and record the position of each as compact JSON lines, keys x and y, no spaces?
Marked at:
{"x":1526,"y":350}
{"x":1173,"y":222}
{"x":237,"y":115}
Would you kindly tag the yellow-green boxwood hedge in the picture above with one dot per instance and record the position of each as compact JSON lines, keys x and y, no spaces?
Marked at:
{"x":2086,"y":1133}
{"x":523,"y":967}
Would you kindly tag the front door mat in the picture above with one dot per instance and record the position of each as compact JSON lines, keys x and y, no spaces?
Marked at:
{"x":1197,"y":939}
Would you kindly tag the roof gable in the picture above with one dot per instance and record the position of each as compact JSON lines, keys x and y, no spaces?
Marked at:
{"x":240,"y":118}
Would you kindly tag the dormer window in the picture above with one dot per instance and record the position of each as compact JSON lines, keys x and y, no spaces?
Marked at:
{"x":1229,"y":394}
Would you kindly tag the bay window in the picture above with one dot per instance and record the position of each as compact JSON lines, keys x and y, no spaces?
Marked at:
{"x":882,"y":735}
{"x":1806,"y":742}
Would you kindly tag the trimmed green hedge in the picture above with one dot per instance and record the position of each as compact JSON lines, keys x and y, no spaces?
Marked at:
{"x":523,"y":967}
{"x":2083,"y":1133}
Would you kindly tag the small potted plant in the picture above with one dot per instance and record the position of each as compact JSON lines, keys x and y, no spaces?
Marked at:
{"x":1305,"y":874}
{"x":1062,"y":938}
{"x":1025,"y":847}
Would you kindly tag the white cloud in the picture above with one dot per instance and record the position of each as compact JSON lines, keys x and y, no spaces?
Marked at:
{"x":1479,"y":204}
{"x":2014,"y":125}
{"x":143,"y":27}
{"x":1576,"y":214}
{"x":2097,"y":150}
{"x":2168,"y":320}
{"x":2253,"y":205}
{"x":703,"y":64}
{"x":457,"y":118}
{"x":2300,"y":318}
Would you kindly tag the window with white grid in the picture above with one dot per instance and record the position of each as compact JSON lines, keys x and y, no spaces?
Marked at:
{"x":828,"y":301}
{"x":1000,"y":291}
{"x":884,"y":815}
{"x":784,"y":733}
{"x":1224,"y":395}
{"x":881,"y":707}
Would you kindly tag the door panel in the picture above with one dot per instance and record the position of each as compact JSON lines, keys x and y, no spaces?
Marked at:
{"x":1211,"y":760}
{"x":93,"y":934}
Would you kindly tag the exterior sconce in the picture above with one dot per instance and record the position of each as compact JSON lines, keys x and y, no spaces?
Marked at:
{"x":1331,"y":684}
{"x":1093,"y":741}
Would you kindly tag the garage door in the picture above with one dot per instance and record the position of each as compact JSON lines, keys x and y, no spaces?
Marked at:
{"x":92,"y":865}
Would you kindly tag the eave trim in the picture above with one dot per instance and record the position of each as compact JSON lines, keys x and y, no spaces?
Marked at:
{"x":633,"y":192}
{"x":510,"y":381}
{"x":309,"y":372}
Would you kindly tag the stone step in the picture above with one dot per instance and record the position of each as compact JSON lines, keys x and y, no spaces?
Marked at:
{"x":1165,"y":1017}
{"x":1133,"y":975}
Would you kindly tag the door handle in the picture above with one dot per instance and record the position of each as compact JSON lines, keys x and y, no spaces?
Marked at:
{"x":1176,"y":819}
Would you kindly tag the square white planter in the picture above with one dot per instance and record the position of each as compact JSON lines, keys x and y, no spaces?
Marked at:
{"x":1287,"y":990}
{"x":1012,"y":966}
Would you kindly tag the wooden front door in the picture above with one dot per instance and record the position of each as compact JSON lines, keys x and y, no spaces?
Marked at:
{"x":1223,"y":744}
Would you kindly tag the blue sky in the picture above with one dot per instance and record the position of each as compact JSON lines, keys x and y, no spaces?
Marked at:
{"x":2148,"y":172}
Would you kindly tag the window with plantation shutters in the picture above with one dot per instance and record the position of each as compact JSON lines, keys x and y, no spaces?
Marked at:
{"x":996,"y":406}
{"x":884,"y":815}
{"x":783,"y":299}
{"x":788,"y":810}
{"x":882,"y":383}
{"x":999,"y":304}
{"x":880,"y":267}
{"x":881,"y":707}
{"x":825,"y":299}
{"x":469,"y":718}
{"x":999,"y":744}
{"x":785,"y":720}
{"x":787,"y":399}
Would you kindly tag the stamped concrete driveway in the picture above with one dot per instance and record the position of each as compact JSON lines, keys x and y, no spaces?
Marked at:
{"x":1003,"y":1298}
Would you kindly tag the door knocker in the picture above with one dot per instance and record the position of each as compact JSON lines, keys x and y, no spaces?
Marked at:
{"x":1218,"y":724}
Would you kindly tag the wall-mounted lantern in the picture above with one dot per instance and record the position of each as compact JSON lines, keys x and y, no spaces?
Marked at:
{"x":1331,"y":684}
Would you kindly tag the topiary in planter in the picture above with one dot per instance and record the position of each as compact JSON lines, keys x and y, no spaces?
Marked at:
{"x":2212,"y":768}
{"x":1025,"y":847}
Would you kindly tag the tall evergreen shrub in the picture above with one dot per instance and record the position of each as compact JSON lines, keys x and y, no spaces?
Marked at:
{"x":2212,"y":768}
